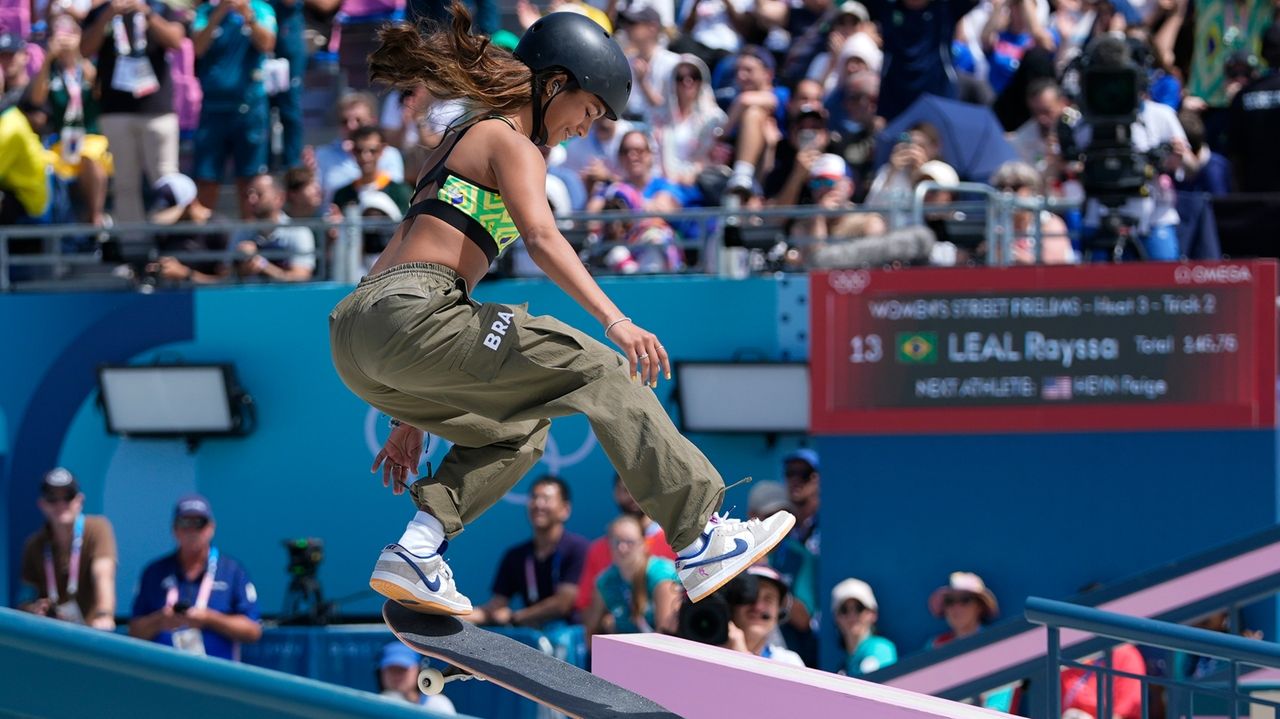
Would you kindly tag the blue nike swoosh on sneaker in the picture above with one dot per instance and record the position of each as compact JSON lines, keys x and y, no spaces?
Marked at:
{"x":432,"y":584}
{"x":739,"y":547}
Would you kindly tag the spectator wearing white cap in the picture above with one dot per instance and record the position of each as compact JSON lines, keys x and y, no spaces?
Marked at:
{"x":857,"y":53}
{"x":797,"y":566}
{"x":69,"y":564}
{"x":176,"y":203}
{"x":831,"y":189}
{"x":377,"y":205}
{"x":856,"y":612}
{"x":759,"y":600}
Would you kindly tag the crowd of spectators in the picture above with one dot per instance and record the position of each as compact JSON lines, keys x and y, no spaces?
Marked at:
{"x":765,"y":103}
{"x":201,"y":601}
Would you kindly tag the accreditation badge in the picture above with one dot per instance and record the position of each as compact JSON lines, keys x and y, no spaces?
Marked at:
{"x":189,"y":640}
{"x":69,"y":612}
{"x":135,"y":76}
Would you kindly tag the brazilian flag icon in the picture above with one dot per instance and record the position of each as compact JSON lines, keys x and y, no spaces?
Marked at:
{"x":918,"y":347}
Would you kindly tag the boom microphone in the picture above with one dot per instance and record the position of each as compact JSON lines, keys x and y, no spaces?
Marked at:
{"x":907,"y":245}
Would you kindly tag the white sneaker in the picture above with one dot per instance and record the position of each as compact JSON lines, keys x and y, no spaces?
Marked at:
{"x":423,"y":584}
{"x":729,"y":546}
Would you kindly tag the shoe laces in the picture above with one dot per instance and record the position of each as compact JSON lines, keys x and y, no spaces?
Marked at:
{"x":722,"y":519}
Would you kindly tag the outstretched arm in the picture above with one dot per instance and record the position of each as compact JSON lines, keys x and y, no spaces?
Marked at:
{"x":521,"y":177}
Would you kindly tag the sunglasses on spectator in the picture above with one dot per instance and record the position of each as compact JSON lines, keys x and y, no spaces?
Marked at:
{"x":367,"y":150}
{"x":57,"y":497}
{"x":688,"y":77}
{"x":802,"y":474}
{"x":633,"y":150}
{"x":820,"y":183}
{"x":852,"y":606}
{"x":191,"y":522}
{"x":953,"y":599}
{"x":1010,"y":187}
{"x":620,"y":543}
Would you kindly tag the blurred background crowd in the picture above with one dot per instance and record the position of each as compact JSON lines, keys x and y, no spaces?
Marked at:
{"x":183,"y":114}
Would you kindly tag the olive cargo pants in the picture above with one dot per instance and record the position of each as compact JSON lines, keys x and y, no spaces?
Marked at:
{"x":489,"y":378}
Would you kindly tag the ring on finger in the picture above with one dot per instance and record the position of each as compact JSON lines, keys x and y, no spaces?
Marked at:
{"x":643,"y":356}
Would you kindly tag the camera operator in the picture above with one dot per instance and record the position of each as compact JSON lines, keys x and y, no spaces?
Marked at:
{"x":1129,"y":147}
{"x":743,"y":616}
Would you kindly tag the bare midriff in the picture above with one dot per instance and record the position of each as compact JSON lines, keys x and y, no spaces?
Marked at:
{"x":428,"y":239}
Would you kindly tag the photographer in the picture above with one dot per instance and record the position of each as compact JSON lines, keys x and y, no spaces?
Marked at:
{"x":196,"y":600}
{"x":1123,"y":139}
{"x":743,"y":616}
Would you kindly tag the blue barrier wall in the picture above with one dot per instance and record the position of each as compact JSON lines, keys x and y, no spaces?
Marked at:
{"x":305,"y":471}
{"x":1033,"y":514}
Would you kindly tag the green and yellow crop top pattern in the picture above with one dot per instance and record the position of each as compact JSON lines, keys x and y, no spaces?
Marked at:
{"x":473,"y":209}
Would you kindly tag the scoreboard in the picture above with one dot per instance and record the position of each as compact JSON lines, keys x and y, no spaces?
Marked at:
{"x":1130,"y":346}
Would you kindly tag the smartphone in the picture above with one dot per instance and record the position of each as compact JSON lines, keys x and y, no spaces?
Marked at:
{"x":181,"y":607}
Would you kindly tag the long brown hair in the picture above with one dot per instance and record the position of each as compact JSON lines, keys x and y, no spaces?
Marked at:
{"x":452,"y":63}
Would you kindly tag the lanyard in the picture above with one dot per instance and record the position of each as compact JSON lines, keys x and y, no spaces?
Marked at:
{"x":126,"y":45}
{"x":206,"y":584}
{"x":71,"y":80}
{"x":73,"y":573}
{"x":531,"y":576}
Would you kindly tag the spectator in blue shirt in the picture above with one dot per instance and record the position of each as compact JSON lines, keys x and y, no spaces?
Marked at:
{"x":197,"y":599}
{"x":856,"y":611}
{"x":231,"y":39}
{"x":917,"y":49}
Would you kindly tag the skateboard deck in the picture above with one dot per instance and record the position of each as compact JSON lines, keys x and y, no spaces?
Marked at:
{"x":516,"y":667}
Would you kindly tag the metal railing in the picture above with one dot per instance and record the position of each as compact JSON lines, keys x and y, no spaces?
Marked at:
{"x":701,"y":232}
{"x":1235,"y":651}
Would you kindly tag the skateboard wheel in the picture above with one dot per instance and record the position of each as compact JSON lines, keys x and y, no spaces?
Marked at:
{"x":430,"y":682}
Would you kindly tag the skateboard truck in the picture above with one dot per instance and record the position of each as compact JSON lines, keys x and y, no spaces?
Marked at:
{"x":431,"y":681}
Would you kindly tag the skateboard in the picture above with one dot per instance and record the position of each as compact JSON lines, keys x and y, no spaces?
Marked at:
{"x":475,"y":653}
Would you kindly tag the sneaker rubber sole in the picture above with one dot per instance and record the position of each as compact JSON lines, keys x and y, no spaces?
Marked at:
{"x":397,"y":590}
{"x":722,"y":577}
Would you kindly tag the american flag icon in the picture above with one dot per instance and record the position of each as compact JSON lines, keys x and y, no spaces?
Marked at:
{"x":1056,"y":388}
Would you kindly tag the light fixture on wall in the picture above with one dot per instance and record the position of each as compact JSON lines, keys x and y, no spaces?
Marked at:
{"x":191,"y":401}
{"x":752,"y":397}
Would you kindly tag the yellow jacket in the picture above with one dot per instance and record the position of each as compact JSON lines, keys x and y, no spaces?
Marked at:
{"x":24,"y":163}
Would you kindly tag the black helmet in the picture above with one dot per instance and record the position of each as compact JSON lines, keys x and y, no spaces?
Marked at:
{"x":583,"y":49}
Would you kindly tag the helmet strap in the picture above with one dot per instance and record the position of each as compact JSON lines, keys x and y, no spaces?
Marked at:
{"x":539,"y":134}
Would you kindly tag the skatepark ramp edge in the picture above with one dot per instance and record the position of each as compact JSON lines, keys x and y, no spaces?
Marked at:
{"x":55,"y":670}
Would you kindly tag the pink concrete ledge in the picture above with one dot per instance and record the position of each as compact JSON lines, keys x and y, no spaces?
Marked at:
{"x":698,"y":681}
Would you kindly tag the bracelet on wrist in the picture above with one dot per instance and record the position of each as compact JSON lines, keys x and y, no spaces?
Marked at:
{"x":615,"y":322}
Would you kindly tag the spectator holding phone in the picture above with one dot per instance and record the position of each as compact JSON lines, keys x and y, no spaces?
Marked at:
{"x":197,"y":599}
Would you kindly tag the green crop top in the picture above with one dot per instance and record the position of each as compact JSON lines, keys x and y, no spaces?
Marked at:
{"x":473,"y":209}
